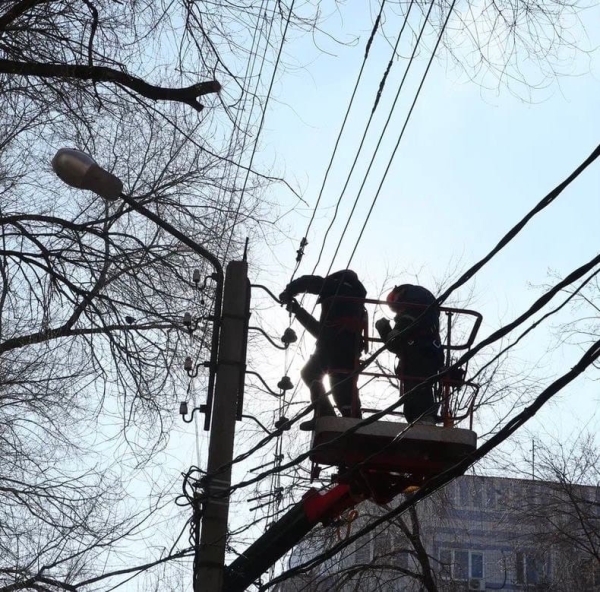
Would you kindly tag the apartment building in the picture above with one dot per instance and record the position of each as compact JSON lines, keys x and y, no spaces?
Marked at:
{"x":479,"y":533}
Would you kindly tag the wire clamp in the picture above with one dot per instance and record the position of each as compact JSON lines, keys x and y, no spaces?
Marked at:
{"x":300,"y":251}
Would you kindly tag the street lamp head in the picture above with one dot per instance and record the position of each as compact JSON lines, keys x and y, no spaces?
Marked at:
{"x":80,"y":170}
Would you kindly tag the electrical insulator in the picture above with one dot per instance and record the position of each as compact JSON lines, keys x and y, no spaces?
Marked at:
{"x":281,"y":424}
{"x":196,"y":276}
{"x":187,"y":319}
{"x":188,"y":365}
{"x":289,"y":336}
{"x":183,"y":408}
{"x":285,"y":384}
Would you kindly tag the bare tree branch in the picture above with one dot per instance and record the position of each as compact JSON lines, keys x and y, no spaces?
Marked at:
{"x":188,"y":95}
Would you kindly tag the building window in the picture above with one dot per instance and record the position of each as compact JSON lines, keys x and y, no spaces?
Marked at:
{"x":460,"y":564}
{"x":362,"y":551}
{"x":475,"y":565}
{"x":530,"y":569}
{"x":401,"y":560}
{"x":592,"y":576}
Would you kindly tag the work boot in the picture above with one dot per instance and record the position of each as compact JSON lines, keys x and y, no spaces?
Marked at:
{"x":311,"y":424}
{"x":347,"y":412}
{"x":308,"y":426}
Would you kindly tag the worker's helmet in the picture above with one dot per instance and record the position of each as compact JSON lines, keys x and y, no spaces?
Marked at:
{"x":394,"y":298}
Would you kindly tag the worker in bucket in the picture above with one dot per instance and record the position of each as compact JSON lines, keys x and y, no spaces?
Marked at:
{"x":415,"y":339}
{"x":339,"y":335}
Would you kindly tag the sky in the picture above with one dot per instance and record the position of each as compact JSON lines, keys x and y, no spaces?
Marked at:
{"x":474,"y":158}
{"x":471,"y":163}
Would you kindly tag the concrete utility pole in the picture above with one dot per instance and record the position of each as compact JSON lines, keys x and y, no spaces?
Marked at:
{"x":231,"y":359}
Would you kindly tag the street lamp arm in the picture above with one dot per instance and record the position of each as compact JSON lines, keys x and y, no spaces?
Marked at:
{"x":78,"y":169}
{"x":187,"y":94}
{"x":198,"y":248}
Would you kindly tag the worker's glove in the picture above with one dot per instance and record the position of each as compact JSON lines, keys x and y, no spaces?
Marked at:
{"x":383,"y":326}
{"x":285,"y":297}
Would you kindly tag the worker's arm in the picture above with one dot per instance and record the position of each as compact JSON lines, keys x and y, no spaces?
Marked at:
{"x":311,"y":284}
{"x":305,"y":319}
{"x":391,"y":337}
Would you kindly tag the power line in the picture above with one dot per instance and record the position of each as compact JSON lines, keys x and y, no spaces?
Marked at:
{"x":276,"y":477}
{"x":534,"y":325}
{"x":233,"y":182}
{"x":380,"y":90}
{"x":382,"y":82}
{"x":250,"y":65}
{"x":262,"y":121}
{"x":304,"y":242}
{"x":500,"y":333}
{"x":367,"y":127}
{"x":220,"y":201}
{"x":437,"y":482}
{"x":514,"y":231}
{"x":538,"y":305}
{"x":403,"y":128}
{"x":500,"y":245}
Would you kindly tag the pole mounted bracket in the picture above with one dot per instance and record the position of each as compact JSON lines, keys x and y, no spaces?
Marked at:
{"x":264,"y":288}
{"x":269,"y":389}
{"x":183,"y":411}
{"x":270,"y":339}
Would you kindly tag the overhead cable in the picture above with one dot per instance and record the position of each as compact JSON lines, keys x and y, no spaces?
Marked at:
{"x":367,"y":127}
{"x":261,"y":124}
{"x":304,"y":241}
{"x":439,"y":39}
{"x":438,"y":481}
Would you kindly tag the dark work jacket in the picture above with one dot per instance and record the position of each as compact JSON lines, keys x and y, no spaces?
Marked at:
{"x":416,"y":302}
{"x":414,"y":322}
{"x":338,"y":316}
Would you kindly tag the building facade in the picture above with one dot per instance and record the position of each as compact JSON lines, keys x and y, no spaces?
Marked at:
{"x":479,"y":533}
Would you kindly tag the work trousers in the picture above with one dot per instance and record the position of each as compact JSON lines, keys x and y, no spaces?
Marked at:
{"x":415,"y":365}
{"x":336,"y":358}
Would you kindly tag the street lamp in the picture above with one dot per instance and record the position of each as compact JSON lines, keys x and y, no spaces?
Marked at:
{"x":78,"y":169}
{"x":81,"y":171}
